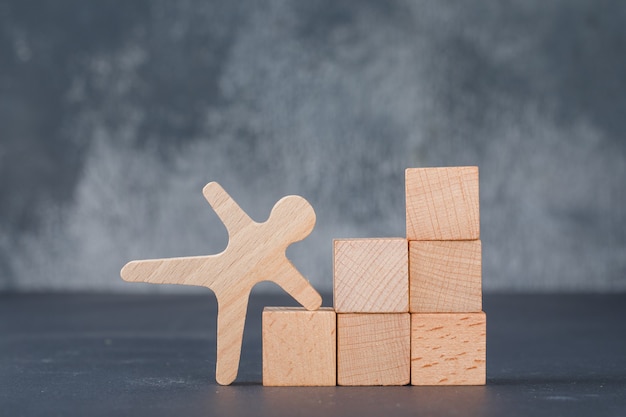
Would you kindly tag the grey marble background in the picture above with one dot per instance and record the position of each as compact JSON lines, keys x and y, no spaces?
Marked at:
{"x":114,"y":114}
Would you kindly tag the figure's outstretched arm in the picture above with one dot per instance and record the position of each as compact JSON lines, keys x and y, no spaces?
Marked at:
{"x":296,"y":285}
{"x":233,"y":217}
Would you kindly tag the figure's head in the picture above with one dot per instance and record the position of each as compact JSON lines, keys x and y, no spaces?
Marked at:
{"x":294,"y":217}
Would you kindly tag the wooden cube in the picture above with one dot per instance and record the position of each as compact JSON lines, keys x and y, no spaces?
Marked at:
{"x":445,"y":276}
{"x":299,"y":347}
{"x":448,"y":348}
{"x":373,"y":349}
{"x":442,"y":203}
{"x":371,"y":275}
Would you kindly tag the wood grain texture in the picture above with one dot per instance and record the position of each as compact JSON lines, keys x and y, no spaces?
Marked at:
{"x":445,"y":276}
{"x":373,"y":349}
{"x":442,"y":203}
{"x":255,"y":252}
{"x":448,"y":348}
{"x":371,"y":275}
{"x":299,"y":347}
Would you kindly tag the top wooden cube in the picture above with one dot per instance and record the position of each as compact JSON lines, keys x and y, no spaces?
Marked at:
{"x":442,"y":204}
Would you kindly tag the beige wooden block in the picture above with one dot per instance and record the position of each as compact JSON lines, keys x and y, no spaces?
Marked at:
{"x":445,"y":276}
{"x":373,"y":349}
{"x":255,"y":253}
{"x":299,"y":347}
{"x":448,"y":348}
{"x":371,"y":275}
{"x":442,"y":203}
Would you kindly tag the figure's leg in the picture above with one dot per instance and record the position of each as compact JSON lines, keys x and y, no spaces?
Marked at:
{"x":190,"y":270}
{"x":231,"y":319}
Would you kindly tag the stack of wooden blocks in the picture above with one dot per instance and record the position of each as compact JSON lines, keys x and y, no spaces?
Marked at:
{"x":406,"y":310}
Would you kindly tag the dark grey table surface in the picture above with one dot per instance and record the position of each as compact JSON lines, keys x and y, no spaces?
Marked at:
{"x":153,"y":355}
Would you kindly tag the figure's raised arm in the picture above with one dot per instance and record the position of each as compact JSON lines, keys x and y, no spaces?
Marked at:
{"x":233,"y":217}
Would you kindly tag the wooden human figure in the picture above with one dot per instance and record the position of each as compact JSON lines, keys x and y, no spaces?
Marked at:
{"x":255,"y":253}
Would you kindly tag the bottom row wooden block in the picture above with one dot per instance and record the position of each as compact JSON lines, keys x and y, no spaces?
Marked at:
{"x":448,"y":348}
{"x":299,"y":347}
{"x":373,"y":349}
{"x":309,"y":348}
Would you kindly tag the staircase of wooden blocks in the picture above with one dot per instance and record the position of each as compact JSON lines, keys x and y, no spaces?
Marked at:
{"x":406,"y":310}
